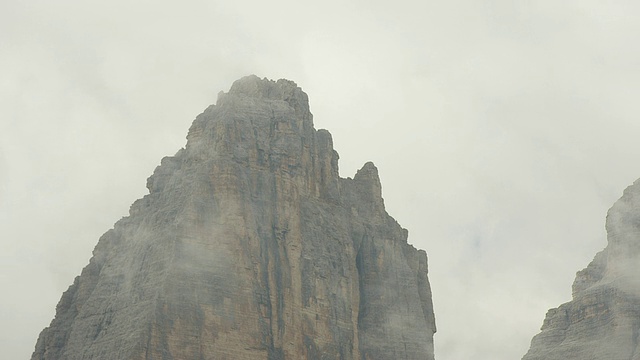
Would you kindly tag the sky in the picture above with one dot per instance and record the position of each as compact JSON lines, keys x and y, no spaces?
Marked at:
{"x":502,"y":131}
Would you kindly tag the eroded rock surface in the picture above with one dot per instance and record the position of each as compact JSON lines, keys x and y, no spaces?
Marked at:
{"x":602,"y":322}
{"x":250,"y":246}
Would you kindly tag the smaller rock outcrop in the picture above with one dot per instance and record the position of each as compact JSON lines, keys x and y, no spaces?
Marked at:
{"x":602,"y":322}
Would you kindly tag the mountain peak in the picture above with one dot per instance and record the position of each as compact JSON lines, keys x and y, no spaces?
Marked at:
{"x":264,"y":88}
{"x":253,"y":87}
{"x":250,"y":246}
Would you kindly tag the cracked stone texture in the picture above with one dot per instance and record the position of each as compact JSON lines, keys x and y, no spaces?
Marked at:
{"x":602,"y":322}
{"x":250,"y":246}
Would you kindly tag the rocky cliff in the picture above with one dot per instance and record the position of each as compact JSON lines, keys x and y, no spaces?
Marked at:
{"x":602,"y":322}
{"x":250,"y":246}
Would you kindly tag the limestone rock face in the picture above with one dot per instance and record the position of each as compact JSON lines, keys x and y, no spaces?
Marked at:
{"x":602,"y":322}
{"x":250,"y":246}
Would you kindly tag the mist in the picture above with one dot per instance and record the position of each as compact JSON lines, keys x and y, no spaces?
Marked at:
{"x":502,"y":133}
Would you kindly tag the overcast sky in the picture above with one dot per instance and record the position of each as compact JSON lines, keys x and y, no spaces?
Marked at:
{"x":502,"y":130}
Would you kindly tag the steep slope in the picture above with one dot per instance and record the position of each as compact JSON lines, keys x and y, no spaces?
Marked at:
{"x":602,"y":322}
{"x":250,"y":246}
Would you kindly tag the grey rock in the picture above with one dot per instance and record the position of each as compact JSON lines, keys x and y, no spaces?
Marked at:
{"x":602,"y":321}
{"x":250,"y":246}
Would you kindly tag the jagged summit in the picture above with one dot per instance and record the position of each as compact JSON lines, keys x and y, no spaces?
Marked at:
{"x":250,"y":246}
{"x":253,"y":86}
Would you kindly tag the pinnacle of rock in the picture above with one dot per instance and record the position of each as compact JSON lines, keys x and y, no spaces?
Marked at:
{"x":249,"y":245}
